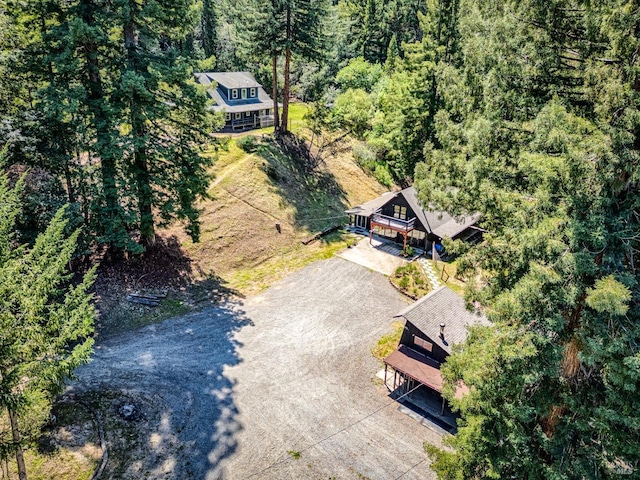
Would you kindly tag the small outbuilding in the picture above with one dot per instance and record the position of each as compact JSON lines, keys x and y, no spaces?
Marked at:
{"x":399,"y":216}
{"x":433,"y":325}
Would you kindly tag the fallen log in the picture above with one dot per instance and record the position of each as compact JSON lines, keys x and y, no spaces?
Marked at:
{"x":150,"y":300}
{"x":321,"y":234}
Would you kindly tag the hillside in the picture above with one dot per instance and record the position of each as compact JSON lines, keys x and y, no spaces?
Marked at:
{"x":241,"y":251}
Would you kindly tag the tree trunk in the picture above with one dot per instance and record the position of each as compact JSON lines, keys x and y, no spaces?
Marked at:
{"x":138,"y":132}
{"x":284,"y":128}
{"x":274,"y":92}
{"x":17,"y":440}
{"x":112,"y":224}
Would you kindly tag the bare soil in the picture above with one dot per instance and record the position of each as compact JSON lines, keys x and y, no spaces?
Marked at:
{"x":241,"y":252}
{"x":280,"y":385}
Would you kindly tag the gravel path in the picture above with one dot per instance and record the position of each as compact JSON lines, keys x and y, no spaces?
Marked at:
{"x":240,"y":391}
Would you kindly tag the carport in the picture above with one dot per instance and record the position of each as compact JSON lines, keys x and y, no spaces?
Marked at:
{"x":412,"y":369}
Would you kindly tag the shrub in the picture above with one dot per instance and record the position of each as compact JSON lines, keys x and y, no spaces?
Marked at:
{"x":367,"y":158}
{"x":382,"y":175}
{"x":247,"y":143}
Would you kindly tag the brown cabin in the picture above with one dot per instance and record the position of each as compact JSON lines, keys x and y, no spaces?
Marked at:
{"x":399,"y":216}
{"x":433,"y":325}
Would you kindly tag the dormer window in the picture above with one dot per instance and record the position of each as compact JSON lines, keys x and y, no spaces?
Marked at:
{"x":252,"y":92}
{"x":234,"y":93}
{"x":244,"y":93}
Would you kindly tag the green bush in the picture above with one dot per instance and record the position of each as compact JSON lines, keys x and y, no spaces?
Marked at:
{"x":368,"y":160}
{"x":247,"y":143}
{"x":382,"y":175}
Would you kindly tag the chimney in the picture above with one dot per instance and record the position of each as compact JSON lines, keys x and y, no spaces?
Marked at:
{"x":442,"y":331}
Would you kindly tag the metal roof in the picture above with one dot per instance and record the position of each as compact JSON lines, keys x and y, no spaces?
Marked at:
{"x":442,"y":305}
{"x":421,"y":368}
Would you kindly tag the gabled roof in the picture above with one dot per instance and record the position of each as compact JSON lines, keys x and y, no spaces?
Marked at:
{"x":442,"y":305}
{"x":437,"y":222}
{"x":372,"y":206}
{"x":234,"y":80}
{"x":228,"y":79}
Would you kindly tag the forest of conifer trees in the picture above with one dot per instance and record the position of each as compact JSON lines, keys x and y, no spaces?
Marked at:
{"x":525,"y":111}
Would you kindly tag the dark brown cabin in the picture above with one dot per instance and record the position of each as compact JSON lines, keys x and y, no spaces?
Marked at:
{"x":399,"y":216}
{"x":433,"y":325}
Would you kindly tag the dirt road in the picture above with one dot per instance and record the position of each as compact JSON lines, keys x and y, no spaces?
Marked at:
{"x":281,"y":386}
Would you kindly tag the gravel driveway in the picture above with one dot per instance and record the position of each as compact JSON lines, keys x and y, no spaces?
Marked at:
{"x":281,"y":386}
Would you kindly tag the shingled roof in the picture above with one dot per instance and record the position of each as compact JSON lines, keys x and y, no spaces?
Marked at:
{"x":442,"y":306}
{"x":234,"y":80}
{"x":437,"y":222}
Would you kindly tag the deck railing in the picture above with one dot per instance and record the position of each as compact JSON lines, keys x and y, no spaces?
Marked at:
{"x":393,"y":223}
{"x":245,"y":122}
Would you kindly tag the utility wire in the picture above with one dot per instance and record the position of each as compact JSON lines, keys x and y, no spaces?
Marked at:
{"x":392,"y":402}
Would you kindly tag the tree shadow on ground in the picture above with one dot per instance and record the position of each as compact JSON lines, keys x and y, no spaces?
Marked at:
{"x":164,"y":270}
{"x":314,"y":193}
{"x":166,"y":406}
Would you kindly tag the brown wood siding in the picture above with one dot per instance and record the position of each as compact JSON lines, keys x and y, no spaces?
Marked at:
{"x":387,"y":210}
{"x":437,"y":353}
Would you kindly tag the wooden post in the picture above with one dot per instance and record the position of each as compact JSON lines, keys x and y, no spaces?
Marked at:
{"x":370,"y":234}
{"x":385,"y":375}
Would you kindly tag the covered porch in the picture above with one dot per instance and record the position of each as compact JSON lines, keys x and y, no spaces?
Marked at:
{"x":401,"y":226}
{"x":416,"y":378}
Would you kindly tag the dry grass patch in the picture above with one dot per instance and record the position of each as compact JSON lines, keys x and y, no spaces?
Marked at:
{"x":261,"y":206}
{"x":387,"y":344}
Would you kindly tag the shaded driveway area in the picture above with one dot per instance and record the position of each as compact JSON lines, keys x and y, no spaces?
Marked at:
{"x":281,"y":386}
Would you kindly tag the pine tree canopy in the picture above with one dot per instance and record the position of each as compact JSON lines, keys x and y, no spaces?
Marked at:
{"x":45,"y":322}
{"x":538,"y":131}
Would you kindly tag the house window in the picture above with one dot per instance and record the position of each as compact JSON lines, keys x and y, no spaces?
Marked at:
{"x":419,"y":342}
{"x":228,"y":117}
{"x":248,"y":114}
{"x":244,"y":93}
{"x":234,"y":93}
{"x":400,"y":212}
{"x":238,"y":116}
{"x":252,"y":93}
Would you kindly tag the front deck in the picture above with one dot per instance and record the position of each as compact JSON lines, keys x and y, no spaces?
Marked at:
{"x":402,"y":226}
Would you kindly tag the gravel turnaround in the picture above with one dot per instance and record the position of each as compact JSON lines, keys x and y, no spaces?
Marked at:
{"x":279,"y":386}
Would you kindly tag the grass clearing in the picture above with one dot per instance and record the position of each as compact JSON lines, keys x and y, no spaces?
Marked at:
{"x":261,"y":205}
{"x":447,"y":272}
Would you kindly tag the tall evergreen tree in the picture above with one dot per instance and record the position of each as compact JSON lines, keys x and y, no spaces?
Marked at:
{"x":540,"y":134}
{"x":285,"y":27}
{"x":118,"y":108}
{"x":262,"y":38}
{"x":166,"y":114}
{"x":45,"y":324}
{"x":303,"y":36}
{"x":209,"y":28}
